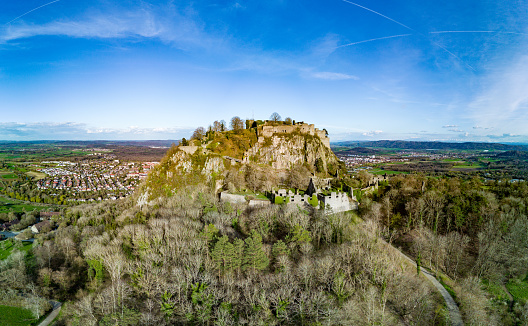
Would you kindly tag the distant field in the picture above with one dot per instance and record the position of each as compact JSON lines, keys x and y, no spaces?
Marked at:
{"x":9,"y":176}
{"x":36,"y":175}
{"x":389,"y":172}
{"x":17,"y":206}
{"x":16,"y":316}
{"x":468,"y":166}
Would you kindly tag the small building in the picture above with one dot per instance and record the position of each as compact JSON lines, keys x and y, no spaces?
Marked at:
{"x":37,"y":228}
{"x":337,"y":202}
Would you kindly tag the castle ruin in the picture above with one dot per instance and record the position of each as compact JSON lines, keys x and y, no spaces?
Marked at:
{"x":269,"y":128}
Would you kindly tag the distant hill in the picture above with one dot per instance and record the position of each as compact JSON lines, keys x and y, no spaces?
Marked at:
{"x":139,"y":143}
{"x":428,"y":145}
{"x":515,"y":155}
{"x":358,"y":151}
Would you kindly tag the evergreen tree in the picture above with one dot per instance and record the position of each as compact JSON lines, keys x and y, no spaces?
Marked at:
{"x":280,"y":249}
{"x":222,"y":254}
{"x":238,"y":254}
{"x":254,"y":256}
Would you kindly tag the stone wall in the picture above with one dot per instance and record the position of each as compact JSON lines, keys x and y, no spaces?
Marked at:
{"x":189,"y":149}
{"x":233,"y":199}
{"x":259,"y":202}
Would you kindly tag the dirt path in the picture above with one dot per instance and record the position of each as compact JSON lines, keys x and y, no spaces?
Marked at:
{"x":56,"y":309}
{"x":452,"y":307}
{"x":454,"y":312}
{"x":510,"y":304}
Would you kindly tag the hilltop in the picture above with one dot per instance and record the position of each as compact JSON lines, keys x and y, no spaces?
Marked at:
{"x":252,"y":154}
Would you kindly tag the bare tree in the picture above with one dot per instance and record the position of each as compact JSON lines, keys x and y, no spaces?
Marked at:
{"x":275,"y":117}
{"x":237,"y":123}
{"x":223,"y":125}
{"x":199,"y":133}
{"x":217,"y":126}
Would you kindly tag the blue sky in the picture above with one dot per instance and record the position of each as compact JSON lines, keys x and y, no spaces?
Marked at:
{"x":401,"y":69}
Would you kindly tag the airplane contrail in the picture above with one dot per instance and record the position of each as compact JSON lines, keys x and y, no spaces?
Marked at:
{"x":491,"y":32}
{"x":409,"y":28}
{"x":377,"y":13}
{"x":454,"y":55}
{"x":374,"y":39}
{"x":44,"y":5}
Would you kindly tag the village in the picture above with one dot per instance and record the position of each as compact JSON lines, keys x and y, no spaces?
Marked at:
{"x":109,"y":179}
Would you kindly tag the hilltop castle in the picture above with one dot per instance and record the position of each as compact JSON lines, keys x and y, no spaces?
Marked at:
{"x":268,"y":128}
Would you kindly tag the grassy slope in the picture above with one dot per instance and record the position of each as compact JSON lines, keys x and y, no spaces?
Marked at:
{"x":518,"y":289}
{"x":6,"y":248}
{"x":16,"y":316}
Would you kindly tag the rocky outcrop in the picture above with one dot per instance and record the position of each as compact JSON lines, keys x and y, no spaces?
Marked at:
{"x":284,"y":151}
{"x":182,"y":161}
{"x":213,"y":165}
{"x":209,"y":160}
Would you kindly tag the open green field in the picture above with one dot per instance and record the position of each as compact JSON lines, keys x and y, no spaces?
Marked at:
{"x":13,"y":316}
{"x":489,"y":159}
{"x":17,"y":206}
{"x":20,"y":152}
{"x":468,"y":165}
{"x":9,"y":176}
{"x":7,"y":246}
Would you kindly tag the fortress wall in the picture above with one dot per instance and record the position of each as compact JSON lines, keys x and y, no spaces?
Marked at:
{"x":189,"y":149}
{"x":339,"y":202}
{"x":258,"y":202}
{"x":268,"y":131}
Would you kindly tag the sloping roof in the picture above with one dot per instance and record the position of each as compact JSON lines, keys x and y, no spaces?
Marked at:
{"x":40,"y":225}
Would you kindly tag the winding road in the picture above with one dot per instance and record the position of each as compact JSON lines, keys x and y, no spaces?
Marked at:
{"x":452,"y":307}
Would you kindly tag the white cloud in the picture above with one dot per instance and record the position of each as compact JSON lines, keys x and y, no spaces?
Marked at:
{"x":169,"y":26}
{"x":450,"y":126}
{"x":333,"y":76}
{"x":372,"y":133}
{"x":80,"y":131}
{"x":503,"y":103}
{"x":184,"y":30}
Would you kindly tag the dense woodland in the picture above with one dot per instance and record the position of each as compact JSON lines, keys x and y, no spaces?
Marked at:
{"x":467,"y":229}
{"x":192,"y":260}
{"x":188,"y":259}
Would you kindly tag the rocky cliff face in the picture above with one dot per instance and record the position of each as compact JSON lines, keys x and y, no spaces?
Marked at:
{"x":284,"y":151}
{"x":212,"y":160}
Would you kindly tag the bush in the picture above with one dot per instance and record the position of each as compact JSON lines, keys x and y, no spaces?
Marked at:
{"x":313,"y":200}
